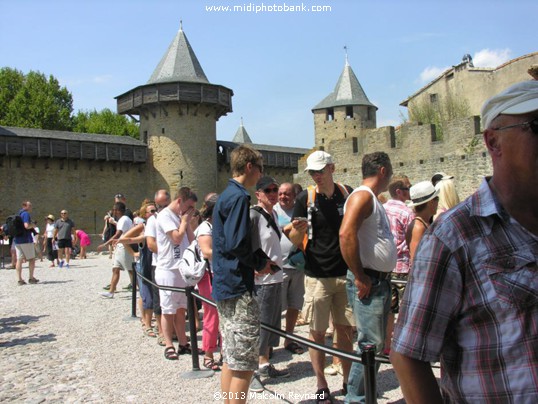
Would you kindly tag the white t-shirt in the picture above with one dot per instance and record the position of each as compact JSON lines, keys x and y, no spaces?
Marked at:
{"x":151,"y":231}
{"x":169,"y":253}
{"x":49,"y":230}
{"x":377,"y":246}
{"x":124,"y":224}
{"x":269,"y":242}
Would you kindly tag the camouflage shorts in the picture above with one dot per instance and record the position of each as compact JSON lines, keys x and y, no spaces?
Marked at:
{"x":239,"y":325}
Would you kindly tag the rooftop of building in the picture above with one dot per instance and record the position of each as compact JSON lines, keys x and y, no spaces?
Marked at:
{"x":348,"y":91}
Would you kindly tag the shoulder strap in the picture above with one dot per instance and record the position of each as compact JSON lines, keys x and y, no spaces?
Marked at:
{"x":269,"y":218}
{"x":343,"y":190}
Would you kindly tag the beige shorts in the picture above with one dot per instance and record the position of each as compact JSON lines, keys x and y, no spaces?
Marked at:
{"x":26,"y":251}
{"x":323,"y":297}
{"x":122,"y":259}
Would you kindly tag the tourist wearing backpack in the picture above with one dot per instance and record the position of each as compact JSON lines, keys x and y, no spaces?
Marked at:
{"x":24,"y":244}
{"x":268,"y":288}
{"x":317,"y":216}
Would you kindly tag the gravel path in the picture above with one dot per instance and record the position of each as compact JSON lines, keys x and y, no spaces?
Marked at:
{"x":61,"y":342}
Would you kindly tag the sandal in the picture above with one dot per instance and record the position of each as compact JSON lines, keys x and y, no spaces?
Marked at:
{"x":149,"y":332}
{"x":20,"y":283}
{"x":160,"y":341}
{"x":210,"y":363}
{"x":184,"y":349}
{"x":294,"y":348}
{"x":323,"y":396}
{"x":171,"y":354}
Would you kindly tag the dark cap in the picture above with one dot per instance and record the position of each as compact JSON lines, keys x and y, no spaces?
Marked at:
{"x":119,"y":196}
{"x":264,"y":182}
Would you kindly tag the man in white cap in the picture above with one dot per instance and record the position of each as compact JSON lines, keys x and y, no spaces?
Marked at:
{"x":317,"y":214}
{"x":472,"y":299}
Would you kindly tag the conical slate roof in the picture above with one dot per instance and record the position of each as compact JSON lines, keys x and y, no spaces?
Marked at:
{"x":241,"y":136}
{"x":348,"y":91}
{"x":179,"y":63}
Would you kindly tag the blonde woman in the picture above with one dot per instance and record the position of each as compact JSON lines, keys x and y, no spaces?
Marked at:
{"x":448,"y":197}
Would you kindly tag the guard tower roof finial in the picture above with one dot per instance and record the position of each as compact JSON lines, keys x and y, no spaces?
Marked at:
{"x":181,"y":25}
{"x":345,"y":50}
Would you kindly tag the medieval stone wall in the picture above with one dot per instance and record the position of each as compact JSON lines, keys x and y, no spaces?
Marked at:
{"x":414,"y":153}
{"x":182,"y":150}
{"x":86,"y":189}
{"x":475,"y":85}
{"x":342,"y":125}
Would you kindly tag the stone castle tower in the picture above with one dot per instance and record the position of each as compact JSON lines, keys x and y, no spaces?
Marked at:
{"x":178,"y":109}
{"x":343,"y":113}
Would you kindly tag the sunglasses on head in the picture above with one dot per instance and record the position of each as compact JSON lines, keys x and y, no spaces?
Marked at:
{"x":269,"y":190}
{"x":533,"y":125}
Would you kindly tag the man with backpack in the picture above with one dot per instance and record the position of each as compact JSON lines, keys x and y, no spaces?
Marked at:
{"x":24,"y":243}
{"x":317,"y":216}
{"x":268,"y":288}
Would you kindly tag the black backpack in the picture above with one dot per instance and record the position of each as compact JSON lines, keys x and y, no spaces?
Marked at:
{"x":14,"y":226}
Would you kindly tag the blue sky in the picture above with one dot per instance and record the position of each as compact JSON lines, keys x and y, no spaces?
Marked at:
{"x":279,"y":64}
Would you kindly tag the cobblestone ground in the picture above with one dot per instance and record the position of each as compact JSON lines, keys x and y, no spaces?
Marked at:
{"x":60,"y":342}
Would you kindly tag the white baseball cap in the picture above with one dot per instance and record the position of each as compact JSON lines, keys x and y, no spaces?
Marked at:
{"x":520,"y":98}
{"x":318,"y":160}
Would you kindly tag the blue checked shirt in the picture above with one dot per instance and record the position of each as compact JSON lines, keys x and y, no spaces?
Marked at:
{"x":472,"y":303}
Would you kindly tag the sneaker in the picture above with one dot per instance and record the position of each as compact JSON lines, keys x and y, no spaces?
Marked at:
{"x":66,"y":266}
{"x":333,"y":369}
{"x":33,"y":280}
{"x":61,"y":264}
{"x":256,"y":385}
{"x":272,"y":372}
{"x":107,"y":295}
{"x":129,"y":287}
{"x":20,"y":283}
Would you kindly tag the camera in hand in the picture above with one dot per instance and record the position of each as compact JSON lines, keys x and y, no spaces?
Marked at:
{"x":275,"y":268}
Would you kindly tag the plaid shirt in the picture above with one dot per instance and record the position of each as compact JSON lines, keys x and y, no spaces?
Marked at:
{"x":472,"y":302}
{"x":399,"y":217}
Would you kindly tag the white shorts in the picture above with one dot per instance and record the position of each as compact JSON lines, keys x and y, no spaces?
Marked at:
{"x":171,"y":301}
{"x":122,"y":259}
{"x":26,"y":251}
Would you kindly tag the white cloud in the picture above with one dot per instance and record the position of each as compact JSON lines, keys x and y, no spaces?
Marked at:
{"x":430,"y":73}
{"x":491,"y":57}
{"x":102,"y":79}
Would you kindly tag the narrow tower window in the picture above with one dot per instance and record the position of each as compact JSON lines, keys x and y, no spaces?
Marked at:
{"x":330,"y":114}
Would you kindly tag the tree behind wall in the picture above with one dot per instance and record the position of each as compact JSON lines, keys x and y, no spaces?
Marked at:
{"x":34,"y":101}
{"x":105,"y":121}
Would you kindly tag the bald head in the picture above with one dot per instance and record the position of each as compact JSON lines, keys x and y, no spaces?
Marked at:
{"x":162,"y":198}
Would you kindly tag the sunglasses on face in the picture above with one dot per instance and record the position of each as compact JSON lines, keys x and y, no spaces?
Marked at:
{"x":314,"y":172}
{"x":532,"y":125}
{"x":270,"y":190}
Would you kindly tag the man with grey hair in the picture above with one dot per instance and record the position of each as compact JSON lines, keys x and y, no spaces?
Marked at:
{"x":472,"y":298}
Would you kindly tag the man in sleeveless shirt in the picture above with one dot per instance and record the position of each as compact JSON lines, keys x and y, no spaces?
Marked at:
{"x":369,"y":250}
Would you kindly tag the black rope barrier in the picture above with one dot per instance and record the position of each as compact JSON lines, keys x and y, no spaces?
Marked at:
{"x":368,"y":357}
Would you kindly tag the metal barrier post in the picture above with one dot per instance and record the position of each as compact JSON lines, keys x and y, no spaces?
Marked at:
{"x":196,"y":371}
{"x":133,"y":294}
{"x":370,"y":385}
